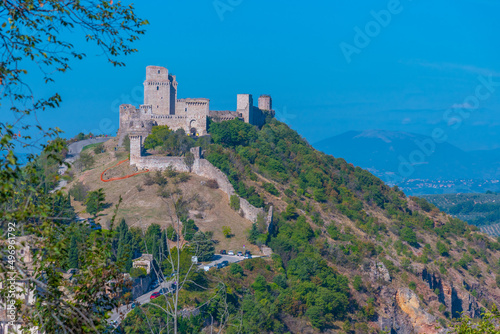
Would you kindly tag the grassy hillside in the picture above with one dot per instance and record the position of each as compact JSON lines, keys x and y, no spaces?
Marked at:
{"x":143,"y":205}
{"x":350,"y":253}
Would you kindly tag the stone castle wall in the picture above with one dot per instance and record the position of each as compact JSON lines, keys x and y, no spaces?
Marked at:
{"x":204,"y":168}
{"x":265,"y":102}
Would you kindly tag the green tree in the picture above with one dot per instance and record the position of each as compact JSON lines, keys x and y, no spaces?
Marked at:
{"x":319,"y":195}
{"x":189,"y":160}
{"x":126,"y":143}
{"x":37,"y":45}
{"x":171,"y":233}
{"x":226,"y":230}
{"x":270,"y":188}
{"x":99,"y":148}
{"x":85,"y":161}
{"x":261,"y":222}
{"x":78,"y":191}
{"x":95,"y":201}
{"x":138,"y":272}
{"x":234,"y":202}
{"x":442,"y":249}
{"x":253,"y":233}
{"x":232,"y":133}
{"x":290,"y":212}
{"x":260,"y":284}
{"x":315,"y":315}
{"x":73,"y":261}
{"x":408,"y":235}
{"x":158,"y":136}
{"x":487,"y":325}
{"x":357,"y":283}
{"x":235,"y":270}
{"x":125,"y":251}
{"x":202,"y":246}
{"x":152,"y":240}
{"x":189,"y":228}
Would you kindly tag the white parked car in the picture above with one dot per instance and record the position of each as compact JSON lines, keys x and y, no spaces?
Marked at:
{"x":206,"y":268}
{"x":230,"y":253}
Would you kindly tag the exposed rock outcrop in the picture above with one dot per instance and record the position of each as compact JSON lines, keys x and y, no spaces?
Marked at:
{"x":421,"y":321}
{"x":457,"y":301}
{"x":379,"y":271}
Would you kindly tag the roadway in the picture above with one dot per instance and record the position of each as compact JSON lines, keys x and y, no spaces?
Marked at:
{"x":229,"y":258}
{"x":120,"y":313}
{"x":74,"y":150}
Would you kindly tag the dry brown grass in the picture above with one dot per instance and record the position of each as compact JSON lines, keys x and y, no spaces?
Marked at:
{"x":143,"y":208}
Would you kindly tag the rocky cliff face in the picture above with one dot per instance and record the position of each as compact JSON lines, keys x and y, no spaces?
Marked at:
{"x":401,"y":312}
{"x":420,"y":320}
{"x":457,"y":301}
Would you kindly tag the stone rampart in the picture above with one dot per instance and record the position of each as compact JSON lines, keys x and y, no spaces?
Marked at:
{"x":161,"y":163}
{"x":204,"y":168}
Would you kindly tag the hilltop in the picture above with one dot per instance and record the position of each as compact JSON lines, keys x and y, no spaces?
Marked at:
{"x":350,"y":252}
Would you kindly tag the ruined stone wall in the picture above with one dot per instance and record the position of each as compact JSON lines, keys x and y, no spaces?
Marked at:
{"x":224,"y":115}
{"x":174,"y":122}
{"x":159,"y":163}
{"x":127,"y":111}
{"x":141,"y":285}
{"x":250,"y":113}
{"x":250,"y":212}
{"x":204,"y":168}
{"x":258,"y":117}
{"x":265,"y":102}
{"x":135,"y":149}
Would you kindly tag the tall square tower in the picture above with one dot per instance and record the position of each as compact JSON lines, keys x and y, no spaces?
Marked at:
{"x":160,"y":90}
{"x":244,"y":105}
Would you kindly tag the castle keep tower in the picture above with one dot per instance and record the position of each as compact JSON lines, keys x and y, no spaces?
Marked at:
{"x":265,"y":102}
{"x":160,"y":90}
{"x":244,"y":105}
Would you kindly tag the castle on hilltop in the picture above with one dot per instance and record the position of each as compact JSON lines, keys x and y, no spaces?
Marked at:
{"x":162,"y":107}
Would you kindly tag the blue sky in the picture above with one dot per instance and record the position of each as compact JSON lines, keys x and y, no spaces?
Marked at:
{"x":424,"y":62}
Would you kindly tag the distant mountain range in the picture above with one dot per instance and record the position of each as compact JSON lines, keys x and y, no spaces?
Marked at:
{"x":401,"y":158}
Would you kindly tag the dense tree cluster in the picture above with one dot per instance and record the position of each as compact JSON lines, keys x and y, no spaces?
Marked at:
{"x":169,"y":142}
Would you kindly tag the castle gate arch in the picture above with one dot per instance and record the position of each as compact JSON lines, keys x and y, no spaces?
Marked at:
{"x":192,"y":128}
